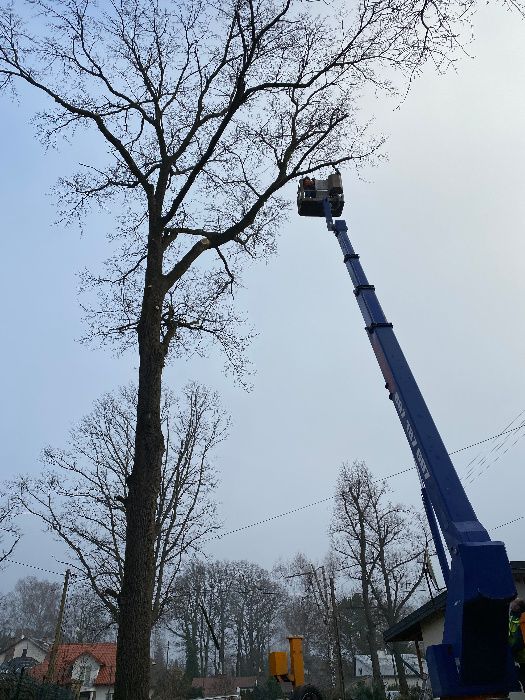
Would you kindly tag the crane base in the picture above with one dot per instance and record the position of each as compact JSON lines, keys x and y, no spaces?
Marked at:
{"x":446,"y":681}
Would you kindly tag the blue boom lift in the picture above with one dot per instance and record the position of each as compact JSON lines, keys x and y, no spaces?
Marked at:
{"x":474,"y":658}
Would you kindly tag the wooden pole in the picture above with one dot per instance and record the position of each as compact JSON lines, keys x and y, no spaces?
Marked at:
{"x":58,"y":631}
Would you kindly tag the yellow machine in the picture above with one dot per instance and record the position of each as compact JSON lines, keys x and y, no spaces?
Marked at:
{"x":292,"y":673}
{"x":278,"y":663}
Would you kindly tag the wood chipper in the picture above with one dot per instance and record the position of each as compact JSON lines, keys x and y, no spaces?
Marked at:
{"x":290,"y":675}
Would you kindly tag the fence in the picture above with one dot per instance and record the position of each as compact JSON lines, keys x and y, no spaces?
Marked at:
{"x":16,"y":686}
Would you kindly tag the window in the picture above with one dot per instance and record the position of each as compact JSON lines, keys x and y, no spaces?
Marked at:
{"x":85,"y":674}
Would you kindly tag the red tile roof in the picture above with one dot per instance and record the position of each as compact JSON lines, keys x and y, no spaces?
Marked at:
{"x":104,"y":653}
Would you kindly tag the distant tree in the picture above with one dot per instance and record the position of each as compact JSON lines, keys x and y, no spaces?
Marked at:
{"x":185,"y":619}
{"x":256,"y":608}
{"x":381,"y":544}
{"x":169,"y":682}
{"x":82,"y":495}
{"x":216,"y":610}
{"x":351,"y":536}
{"x":31,"y":608}
{"x":240,"y":602}
{"x":308,"y":612}
{"x":300,"y":611}
{"x":86,"y":619}
{"x":399,"y":544}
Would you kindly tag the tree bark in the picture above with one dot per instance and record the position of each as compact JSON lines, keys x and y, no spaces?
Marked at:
{"x":401,"y":672}
{"x":371,"y":638}
{"x":132,"y":680}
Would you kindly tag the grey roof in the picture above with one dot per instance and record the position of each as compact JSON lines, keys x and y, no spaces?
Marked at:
{"x":409,"y":628}
{"x":16,"y":664}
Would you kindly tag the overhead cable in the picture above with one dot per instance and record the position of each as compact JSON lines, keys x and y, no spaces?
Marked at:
{"x":268,"y":519}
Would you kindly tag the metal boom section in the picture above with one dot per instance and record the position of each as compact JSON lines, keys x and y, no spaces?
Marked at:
{"x":474,"y":658}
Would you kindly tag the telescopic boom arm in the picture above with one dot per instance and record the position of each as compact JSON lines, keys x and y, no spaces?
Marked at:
{"x":474,"y":658}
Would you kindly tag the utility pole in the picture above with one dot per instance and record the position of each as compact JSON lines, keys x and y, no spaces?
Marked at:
{"x":337,"y":637}
{"x":58,"y":631}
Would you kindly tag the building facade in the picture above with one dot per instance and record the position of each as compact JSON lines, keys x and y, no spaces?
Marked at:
{"x":89,"y":668}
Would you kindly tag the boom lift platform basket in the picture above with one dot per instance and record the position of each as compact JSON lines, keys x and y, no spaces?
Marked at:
{"x":311,"y":194}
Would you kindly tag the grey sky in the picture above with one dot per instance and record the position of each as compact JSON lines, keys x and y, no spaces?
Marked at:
{"x":440,"y":231}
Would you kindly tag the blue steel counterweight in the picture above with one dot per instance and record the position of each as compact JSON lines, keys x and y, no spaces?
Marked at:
{"x":474,"y":658}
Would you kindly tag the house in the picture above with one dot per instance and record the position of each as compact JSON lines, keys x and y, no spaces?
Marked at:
{"x":88,"y":666}
{"x":18,"y":664}
{"x":424,"y":626}
{"x":387,"y":667}
{"x":224,"y":686}
{"x":26,"y":647}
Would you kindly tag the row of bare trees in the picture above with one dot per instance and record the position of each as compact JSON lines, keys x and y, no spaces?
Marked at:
{"x":228,"y":614}
{"x":31,"y":609}
{"x":225,"y":615}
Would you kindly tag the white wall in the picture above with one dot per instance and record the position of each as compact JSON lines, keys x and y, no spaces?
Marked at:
{"x":32,"y":650}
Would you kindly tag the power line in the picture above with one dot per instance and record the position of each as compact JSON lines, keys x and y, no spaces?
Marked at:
{"x":268,"y":519}
{"x":277,"y":516}
{"x":480,"y":442}
{"x":250,"y":525}
{"x":485,"y":462}
{"x":33,"y":566}
{"x":509,"y":522}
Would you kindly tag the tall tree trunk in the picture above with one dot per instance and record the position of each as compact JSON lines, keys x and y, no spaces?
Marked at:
{"x":238,"y":669}
{"x":132,"y":681}
{"x":367,"y":607}
{"x":222,"y":644}
{"x":401,"y":671}
{"x":371,"y":638}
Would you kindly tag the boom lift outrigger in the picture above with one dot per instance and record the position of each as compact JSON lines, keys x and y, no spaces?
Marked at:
{"x":474,"y":658}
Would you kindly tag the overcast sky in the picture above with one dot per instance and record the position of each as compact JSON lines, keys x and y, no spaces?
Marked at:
{"x":439,"y":227}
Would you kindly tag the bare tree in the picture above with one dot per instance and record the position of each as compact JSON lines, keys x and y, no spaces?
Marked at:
{"x":81,"y":497}
{"x":256,"y":610}
{"x":9,"y":530}
{"x":225,"y":615}
{"x":207,"y":110}
{"x":216,"y":603}
{"x":352,"y":537}
{"x":308,"y":612}
{"x":31,"y":608}
{"x":86,"y":620}
{"x":399,"y":543}
{"x":381,"y":545}
{"x":187,"y":621}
